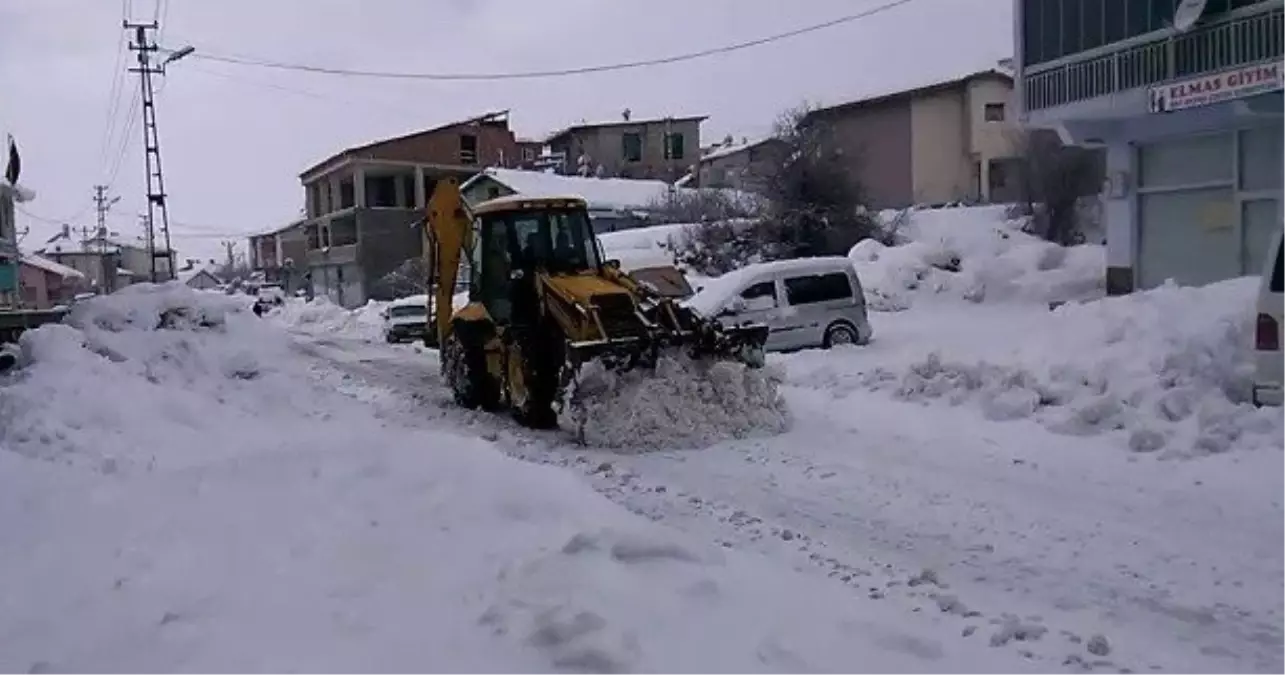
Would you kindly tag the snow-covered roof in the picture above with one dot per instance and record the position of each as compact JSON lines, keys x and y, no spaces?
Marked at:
{"x":188,"y":274}
{"x":50,"y":266}
{"x":729,"y":149}
{"x":599,"y":193}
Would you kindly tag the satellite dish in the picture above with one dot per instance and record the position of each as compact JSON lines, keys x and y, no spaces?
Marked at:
{"x":1188,"y":13}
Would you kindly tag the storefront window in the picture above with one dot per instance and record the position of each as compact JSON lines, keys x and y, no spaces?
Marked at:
{"x":1053,"y":29}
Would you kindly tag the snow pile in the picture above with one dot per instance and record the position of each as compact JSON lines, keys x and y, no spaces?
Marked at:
{"x":976,"y":254}
{"x":132,"y":374}
{"x":258,"y":519}
{"x":681,"y":404}
{"x":320,"y":316}
{"x":1170,"y":368}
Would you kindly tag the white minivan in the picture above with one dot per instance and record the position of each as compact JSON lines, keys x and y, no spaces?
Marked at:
{"x":1269,"y":367}
{"x":805,"y":302}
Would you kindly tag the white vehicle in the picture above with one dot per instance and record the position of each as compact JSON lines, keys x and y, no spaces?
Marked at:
{"x":406,"y":319}
{"x":271,"y":294}
{"x":1269,"y":367}
{"x":807,"y":302}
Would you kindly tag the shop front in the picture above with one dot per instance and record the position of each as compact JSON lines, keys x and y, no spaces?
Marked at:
{"x":1194,"y":187}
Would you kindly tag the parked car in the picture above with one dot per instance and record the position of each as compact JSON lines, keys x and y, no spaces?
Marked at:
{"x":807,"y":302}
{"x":406,"y":319}
{"x":271,"y":294}
{"x":1269,"y":367}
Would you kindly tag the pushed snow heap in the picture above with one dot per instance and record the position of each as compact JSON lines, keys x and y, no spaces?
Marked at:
{"x":1170,"y":367}
{"x":163,"y":347}
{"x":681,"y":404}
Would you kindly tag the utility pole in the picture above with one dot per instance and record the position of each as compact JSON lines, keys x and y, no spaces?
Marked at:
{"x":145,"y":47}
{"x":149,"y":239}
{"x":102,"y":205}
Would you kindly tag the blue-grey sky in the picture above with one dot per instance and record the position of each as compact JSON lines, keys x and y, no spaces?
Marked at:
{"x":234,"y":139}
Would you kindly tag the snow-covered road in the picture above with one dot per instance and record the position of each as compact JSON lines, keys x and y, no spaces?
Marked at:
{"x":1023,"y":539}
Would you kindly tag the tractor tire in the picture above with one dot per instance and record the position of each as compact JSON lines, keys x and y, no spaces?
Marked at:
{"x":465,"y":372}
{"x":541,"y":372}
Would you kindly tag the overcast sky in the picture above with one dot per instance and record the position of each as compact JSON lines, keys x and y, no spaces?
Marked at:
{"x":234,"y":139}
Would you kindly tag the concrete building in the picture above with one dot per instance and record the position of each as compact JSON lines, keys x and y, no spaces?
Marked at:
{"x":746,"y":165}
{"x":363,"y":203}
{"x":108,"y":261}
{"x":280,"y":255}
{"x":44,"y":284}
{"x":946,"y":141}
{"x":662,"y":148}
{"x":1189,"y":110}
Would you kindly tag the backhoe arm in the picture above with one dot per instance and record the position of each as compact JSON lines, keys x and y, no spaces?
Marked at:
{"x":449,"y":234}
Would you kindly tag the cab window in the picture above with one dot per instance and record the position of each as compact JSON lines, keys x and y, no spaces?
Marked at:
{"x":492,"y":289}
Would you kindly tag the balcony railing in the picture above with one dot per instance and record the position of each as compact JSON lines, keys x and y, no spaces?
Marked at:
{"x":1233,"y":42}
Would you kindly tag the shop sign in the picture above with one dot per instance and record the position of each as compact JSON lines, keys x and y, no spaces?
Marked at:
{"x":1225,"y":86}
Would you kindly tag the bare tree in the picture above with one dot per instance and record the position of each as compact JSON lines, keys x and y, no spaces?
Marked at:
{"x":817,"y":200}
{"x":815,"y":204}
{"x":704,"y":206}
{"x":408,"y":278}
{"x":1053,"y":179}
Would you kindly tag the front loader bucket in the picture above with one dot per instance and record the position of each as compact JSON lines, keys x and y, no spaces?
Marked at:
{"x":705,"y":341}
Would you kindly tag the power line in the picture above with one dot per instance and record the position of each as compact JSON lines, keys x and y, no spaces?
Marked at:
{"x":534,"y":74}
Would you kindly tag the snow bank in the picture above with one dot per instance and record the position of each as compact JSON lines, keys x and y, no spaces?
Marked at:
{"x":681,"y":404}
{"x":257,"y":518}
{"x":321,"y":316}
{"x":1167,"y":370}
{"x":976,"y":254}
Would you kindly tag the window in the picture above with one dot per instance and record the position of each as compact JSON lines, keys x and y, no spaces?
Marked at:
{"x":1278,"y":275}
{"x":674,"y":146}
{"x":760,"y":296}
{"x":346,"y":196}
{"x":818,"y":288}
{"x":401,"y":311}
{"x":468,"y":149}
{"x":997,"y":178}
{"x":994,"y":112}
{"x":528,"y":154}
{"x":381,"y":191}
{"x":631,"y":147}
{"x":492,"y":192}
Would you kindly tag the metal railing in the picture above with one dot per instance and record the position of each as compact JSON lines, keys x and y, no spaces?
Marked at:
{"x":1233,"y":42}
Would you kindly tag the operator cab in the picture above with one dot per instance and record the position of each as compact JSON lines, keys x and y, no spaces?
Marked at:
{"x":515,"y":236}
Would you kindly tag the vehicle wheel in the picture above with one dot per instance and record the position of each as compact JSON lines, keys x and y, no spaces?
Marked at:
{"x":465,"y":373}
{"x":840,"y":334}
{"x":533,"y":386}
{"x":388,"y":337}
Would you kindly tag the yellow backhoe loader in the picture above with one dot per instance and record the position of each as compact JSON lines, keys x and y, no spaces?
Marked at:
{"x":542,"y":301}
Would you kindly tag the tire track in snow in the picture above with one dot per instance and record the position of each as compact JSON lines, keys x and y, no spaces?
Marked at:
{"x":783,"y":526}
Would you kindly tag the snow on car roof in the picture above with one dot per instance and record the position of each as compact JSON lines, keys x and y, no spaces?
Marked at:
{"x":420,"y":299}
{"x":713,"y":296}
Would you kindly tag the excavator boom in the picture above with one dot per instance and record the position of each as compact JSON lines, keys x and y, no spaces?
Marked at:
{"x":449,"y":230}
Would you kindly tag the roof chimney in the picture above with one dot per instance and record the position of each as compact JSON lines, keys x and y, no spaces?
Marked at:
{"x":626,"y":113}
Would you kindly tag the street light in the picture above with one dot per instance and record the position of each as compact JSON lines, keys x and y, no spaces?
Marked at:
{"x":178,"y":54}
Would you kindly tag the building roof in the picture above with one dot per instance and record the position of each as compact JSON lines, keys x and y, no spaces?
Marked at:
{"x":50,"y":266}
{"x":722,"y":151}
{"x":622,"y":123}
{"x":918,"y":89}
{"x":598,"y":193}
{"x":293,"y":224}
{"x":358,"y":150}
{"x":185,"y":276}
